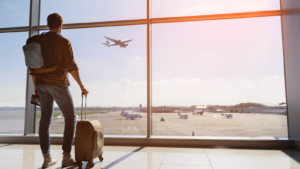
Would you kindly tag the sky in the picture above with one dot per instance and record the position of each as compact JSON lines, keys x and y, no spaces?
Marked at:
{"x":222,"y":62}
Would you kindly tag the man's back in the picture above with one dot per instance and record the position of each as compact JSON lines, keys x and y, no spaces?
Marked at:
{"x":55,"y":47}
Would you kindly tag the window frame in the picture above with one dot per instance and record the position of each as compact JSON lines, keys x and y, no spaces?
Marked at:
{"x":34,"y":28}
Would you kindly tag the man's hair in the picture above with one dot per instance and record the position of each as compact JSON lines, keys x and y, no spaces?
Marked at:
{"x":54,"y":20}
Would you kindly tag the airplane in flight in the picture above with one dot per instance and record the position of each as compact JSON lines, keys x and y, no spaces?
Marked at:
{"x":122,"y":43}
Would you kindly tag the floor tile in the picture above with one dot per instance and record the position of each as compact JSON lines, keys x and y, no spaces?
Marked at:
{"x":25,"y":164}
{"x":146,"y":159}
{"x":12,"y":154}
{"x":184,"y":167}
{"x":275,"y":162}
{"x":120,"y":157}
{"x":233,"y":161}
{"x":186,"y":159}
{"x":4,"y":163}
{"x":224,"y":152}
{"x":268,"y":153}
{"x":186,"y":150}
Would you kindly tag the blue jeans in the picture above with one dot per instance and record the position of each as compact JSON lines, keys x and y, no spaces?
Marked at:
{"x":62,"y":96}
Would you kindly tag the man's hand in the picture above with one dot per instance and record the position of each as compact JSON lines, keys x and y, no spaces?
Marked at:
{"x":36,"y":93}
{"x":84,"y":91}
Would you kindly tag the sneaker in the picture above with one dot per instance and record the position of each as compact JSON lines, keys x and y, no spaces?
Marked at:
{"x":48,"y":161}
{"x":68,"y":160}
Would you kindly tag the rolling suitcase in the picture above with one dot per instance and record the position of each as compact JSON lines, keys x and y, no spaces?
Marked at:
{"x":89,"y":139}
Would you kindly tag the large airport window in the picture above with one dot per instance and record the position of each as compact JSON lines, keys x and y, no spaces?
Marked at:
{"x":12,"y":83}
{"x":171,"y":8}
{"x":115,"y":73}
{"x":221,"y":78}
{"x":78,"y":11}
{"x":14,"y":13}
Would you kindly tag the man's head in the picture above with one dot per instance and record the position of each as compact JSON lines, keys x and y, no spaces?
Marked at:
{"x":54,"y":22}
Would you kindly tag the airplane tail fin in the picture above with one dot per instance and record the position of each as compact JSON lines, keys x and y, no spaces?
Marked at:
{"x":105,"y":44}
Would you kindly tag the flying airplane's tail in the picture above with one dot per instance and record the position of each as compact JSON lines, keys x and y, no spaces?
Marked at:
{"x":105,"y":44}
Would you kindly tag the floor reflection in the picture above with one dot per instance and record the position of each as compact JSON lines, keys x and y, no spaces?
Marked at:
{"x":118,"y":157}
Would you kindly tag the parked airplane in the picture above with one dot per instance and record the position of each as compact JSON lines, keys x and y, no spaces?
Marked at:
{"x":123,"y":113}
{"x":198,"y":112}
{"x":122,"y":43}
{"x":228,"y":115}
{"x":104,"y":112}
{"x":183,"y":116}
{"x":133,"y":116}
{"x":59,"y":118}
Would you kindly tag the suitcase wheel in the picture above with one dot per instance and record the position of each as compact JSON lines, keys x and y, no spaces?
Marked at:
{"x":101,"y":158}
{"x":91,"y":163}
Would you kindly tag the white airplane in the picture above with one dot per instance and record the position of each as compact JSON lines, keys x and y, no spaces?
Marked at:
{"x":104,"y":112}
{"x":124,"y":113}
{"x":183,"y":116}
{"x":59,"y":118}
{"x":122,"y":43}
{"x":228,"y":115}
{"x":198,"y":112}
{"x":133,"y":116}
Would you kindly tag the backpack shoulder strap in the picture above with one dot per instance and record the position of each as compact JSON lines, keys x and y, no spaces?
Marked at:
{"x":35,"y":38}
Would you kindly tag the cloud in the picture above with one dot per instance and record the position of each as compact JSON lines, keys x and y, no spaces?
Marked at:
{"x":246,"y":81}
{"x":162,"y":82}
{"x":272,"y":82}
{"x":187,"y":81}
{"x":180,"y":80}
{"x":221,"y":80}
{"x":137,"y":57}
{"x":115,"y":85}
{"x":129,"y":83}
{"x":211,"y":81}
{"x":197,"y":81}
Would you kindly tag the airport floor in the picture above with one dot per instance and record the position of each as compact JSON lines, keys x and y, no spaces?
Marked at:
{"x":15,"y":156}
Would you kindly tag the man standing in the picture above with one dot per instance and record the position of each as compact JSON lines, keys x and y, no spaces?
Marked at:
{"x":54,"y":86}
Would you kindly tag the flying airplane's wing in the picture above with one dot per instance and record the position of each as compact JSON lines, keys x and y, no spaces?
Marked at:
{"x":125,"y":41}
{"x":111,"y":39}
{"x":109,"y":45}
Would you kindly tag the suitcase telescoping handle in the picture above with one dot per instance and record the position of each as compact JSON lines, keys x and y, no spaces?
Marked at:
{"x":82,"y":105}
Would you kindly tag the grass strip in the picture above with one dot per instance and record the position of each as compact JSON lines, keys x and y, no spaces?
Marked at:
{"x":58,"y":113}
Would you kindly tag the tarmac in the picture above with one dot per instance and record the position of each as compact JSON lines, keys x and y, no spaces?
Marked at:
{"x":208,"y":124}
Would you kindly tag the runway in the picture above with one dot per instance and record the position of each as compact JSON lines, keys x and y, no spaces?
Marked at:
{"x":209,"y":124}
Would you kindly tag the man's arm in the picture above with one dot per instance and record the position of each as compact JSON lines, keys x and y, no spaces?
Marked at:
{"x":76,"y":76}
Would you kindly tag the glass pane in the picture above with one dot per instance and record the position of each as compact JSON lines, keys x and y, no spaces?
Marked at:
{"x":12,"y":83}
{"x":93,"y":10}
{"x":169,"y":8}
{"x":225,"y":66}
{"x":115,"y":77}
{"x":14,"y":13}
